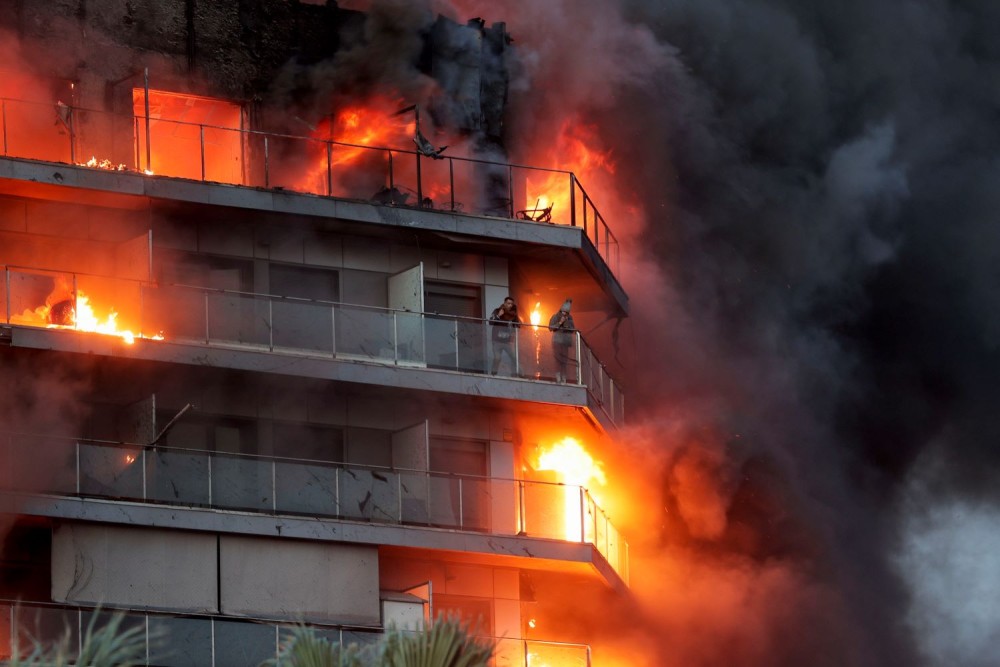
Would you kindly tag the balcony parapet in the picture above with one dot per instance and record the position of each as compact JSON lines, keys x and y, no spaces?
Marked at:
{"x":296,"y":487}
{"x":304,"y":328}
{"x":309,"y":165}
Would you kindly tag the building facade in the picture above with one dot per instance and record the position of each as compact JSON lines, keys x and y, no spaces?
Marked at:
{"x":251,"y":375}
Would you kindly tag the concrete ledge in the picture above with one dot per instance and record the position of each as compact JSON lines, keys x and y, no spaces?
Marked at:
{"x":332,"y":368}
{"x":509,"y":550}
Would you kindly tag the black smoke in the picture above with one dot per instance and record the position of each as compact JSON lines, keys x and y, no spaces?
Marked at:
{"x":815,"y":298}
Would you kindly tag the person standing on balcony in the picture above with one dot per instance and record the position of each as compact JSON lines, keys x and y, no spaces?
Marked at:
{"x":504,"y":322}
{"x":563,"y":330}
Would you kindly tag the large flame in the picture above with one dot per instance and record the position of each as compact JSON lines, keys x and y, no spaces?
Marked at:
{"x":576,"y":469}
{"x":77,"y":314}
{"x":573,"y":151}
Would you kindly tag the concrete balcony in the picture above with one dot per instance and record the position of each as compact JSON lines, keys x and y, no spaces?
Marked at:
{"x":478,"y":200}
{"x":506,"y":520}
{"x":326,"y":340}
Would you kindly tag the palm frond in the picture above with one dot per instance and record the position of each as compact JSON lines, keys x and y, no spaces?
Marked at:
{"x":303,"y":648}
{"x":446,"y":643}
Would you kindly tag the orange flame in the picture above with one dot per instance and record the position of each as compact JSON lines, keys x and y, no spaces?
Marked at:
{"x":574,"y":151}
{"x":77,"y":314}
{"x":536,"y":314}
{"x":577,"y":469}
{"x":368,"y":125}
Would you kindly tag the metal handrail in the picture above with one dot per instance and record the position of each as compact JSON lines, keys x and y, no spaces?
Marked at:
{"x":108,"y":476}
{"x":585,"y":361}
{"x":574,"y":219}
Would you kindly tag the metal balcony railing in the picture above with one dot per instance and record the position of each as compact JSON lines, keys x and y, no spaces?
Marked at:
{"x":287,"y":486}
{"x":58,"y":132}
{"x":285,"y":325}
{"x":211,"y":640}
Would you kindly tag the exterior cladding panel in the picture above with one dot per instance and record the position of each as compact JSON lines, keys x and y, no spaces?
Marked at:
{"x":333,"y":583}
{"x":134,"y":567}
{"x":171,"y":570}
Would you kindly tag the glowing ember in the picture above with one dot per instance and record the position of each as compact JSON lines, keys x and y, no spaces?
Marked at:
{"x":577,"y":469}
{"x":105,"y":164}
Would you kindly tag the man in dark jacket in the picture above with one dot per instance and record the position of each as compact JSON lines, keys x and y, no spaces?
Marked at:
{"x":562,"y":327}
{"x":504,"y":322}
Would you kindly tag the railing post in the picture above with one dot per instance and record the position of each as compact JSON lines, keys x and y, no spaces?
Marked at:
{"x":420,"y":184}
{"x":72,"y":137}
{"x":458,"y":365}
{"x":76,"y":303}
{"x":461,"y":506}
{"x":7,"y":306}
{"x":274,"y":486}
{"x":201,"y":143}
{"x":517,"y":351}
{"x":135,"y":122}
{"x":579,"y":358}
{"x":583,"y":515}
{"x":392,"y":182}
{"x":270,"y":324}
{"x":399,"y":495}
{"x":78,"y":475}
{"x":572,"y":199}
{"x":208,"y":336}
{"x":395,"y":339}
{"x":209,"y":469}
{"x":267,"y":165}
{"x":3,"y":122}
{"x":329,"y":169}
{"x":333,"y":331}
{"x":149,"y":165}
{"x":522,"y":528}
{"x":510,"y":192}
{"x":451,"y":181}
{"x":145,"y":493}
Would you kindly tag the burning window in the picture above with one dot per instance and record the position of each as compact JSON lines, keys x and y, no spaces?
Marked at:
{"x":190,"y":136}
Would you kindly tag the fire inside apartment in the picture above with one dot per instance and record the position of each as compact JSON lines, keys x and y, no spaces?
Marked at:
{"x":251,"y":377}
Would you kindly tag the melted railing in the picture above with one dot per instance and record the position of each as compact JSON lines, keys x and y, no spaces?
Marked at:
{"x":212,"y":640}
{"x":285,"y":325}
{"x":288,"y":486}
{"x":62,"y":133}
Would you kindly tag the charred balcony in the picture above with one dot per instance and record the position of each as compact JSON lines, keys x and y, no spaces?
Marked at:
{"x":148,"y":157}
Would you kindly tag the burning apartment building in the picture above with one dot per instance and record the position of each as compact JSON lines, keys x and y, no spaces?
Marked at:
{"x":250,"y":252}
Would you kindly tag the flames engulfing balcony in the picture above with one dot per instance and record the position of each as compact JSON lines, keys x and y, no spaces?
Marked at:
{"x":286,"y":486}
{"x":303,"y":327}
{"x":198,"y":138}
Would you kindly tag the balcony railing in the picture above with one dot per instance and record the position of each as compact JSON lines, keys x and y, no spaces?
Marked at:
{"x":63,"y":133}
{"x":284,"y":325}
{"x":209,"y":640}
{"x":286,"y":486}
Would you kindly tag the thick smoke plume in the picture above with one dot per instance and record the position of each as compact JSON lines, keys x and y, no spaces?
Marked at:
{"x":814,"y":310}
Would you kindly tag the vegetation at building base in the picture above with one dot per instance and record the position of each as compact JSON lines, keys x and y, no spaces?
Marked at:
{"x":107,"y":646}
{"x":445,"y":643}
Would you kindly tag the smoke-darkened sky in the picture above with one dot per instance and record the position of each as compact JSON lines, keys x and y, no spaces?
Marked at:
{"x":815,"y":311}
